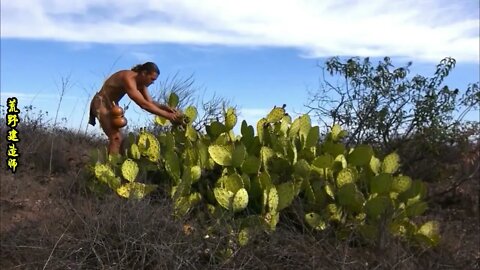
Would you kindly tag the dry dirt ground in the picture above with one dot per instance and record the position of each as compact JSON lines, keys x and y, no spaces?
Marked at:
{"x":42,"y":213}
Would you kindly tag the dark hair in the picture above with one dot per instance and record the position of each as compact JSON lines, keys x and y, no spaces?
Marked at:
{"x":148,"y":67}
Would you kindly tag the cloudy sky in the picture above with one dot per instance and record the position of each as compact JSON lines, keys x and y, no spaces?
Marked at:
{"x":256,"y":53}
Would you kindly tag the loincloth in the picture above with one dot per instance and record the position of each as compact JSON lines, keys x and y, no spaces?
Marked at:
{"x":99,"y":101}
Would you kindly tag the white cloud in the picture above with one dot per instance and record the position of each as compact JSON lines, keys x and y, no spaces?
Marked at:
{"x":421,"y":30}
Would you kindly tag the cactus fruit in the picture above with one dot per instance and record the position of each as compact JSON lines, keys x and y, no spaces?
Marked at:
{"x":129,"y":170}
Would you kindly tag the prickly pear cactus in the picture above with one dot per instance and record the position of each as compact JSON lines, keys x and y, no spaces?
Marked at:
{"x":257,"y":176}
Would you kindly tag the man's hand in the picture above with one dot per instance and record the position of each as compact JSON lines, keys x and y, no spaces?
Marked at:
{"x":166,"y":108}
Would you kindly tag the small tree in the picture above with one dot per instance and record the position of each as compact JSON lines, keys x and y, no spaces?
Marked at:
{"x":382,"y":104}
{"x":418,"y":116}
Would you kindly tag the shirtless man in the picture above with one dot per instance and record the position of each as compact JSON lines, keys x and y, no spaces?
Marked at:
{"x":134,"y":83}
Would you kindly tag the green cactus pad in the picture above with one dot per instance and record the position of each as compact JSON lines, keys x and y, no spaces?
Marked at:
{"x":230,"y":119}
{"x":337,"y":133}
{"x":261,"y":129}
{"x":106,"y":175}
{"x":135,"y":190}
{"x":224,"y":197}
{"x":415,"y":193}
{"x":391,"y":163}
{"x":244,"y":236}
{"x":275,"y":115}
{"x":350,"y":197}
{"x":239,"y":154}
{"x":149,"y":146}
{"x":329,"y":191}
{"x":191,"y":133}
{"x":305,"y":125}
{"x":334,"y":149}
{"x":312,"y":137}
{"x":129,"y":170}
{"x":134,"y":151}
{"x":266,"y":153}
{"x":375,"y":165}
{"x":251,"y":165}
{"x":271,"y":219}
{"x":286,"y":194}
{"x":233,"y":182}
{"x":240,"y":200}
{"x":215,"y":129}
{"x":247,"y":130}
{"x":265,"y":181}
{"x":381,"y":184}
{"x":161,"y":121}
{"x":222,"y":155}
{"x":272,"y":200}
{"x":416,"y":209}
{"x":302,"y":169}
{"x":315,"y":221}
{"x":285,"y":125}
{"x":361,"y":155}
{"x":334,"y":212}
{"x":172,"y":165}
{"x":294,"y":128}
{"x":345,"y":176}
{"x":191,"y":113}
{"x":376,"y":206}
{"x":428,"y":233}
{"x":323,"y":162}
{"x":173,"y":100}
{"x":196,"y":173}
{"x":401,"y":183}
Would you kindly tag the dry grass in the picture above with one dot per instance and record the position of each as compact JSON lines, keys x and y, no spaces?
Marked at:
{"x":51,"y":221}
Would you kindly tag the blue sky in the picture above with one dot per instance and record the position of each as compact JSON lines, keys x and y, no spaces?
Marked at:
{"x":255,"y":53}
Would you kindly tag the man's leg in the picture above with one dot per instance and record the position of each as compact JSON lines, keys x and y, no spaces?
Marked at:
{"x":114,"y":135}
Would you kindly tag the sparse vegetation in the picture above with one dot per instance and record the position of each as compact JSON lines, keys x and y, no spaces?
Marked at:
{"x":51,"y":218}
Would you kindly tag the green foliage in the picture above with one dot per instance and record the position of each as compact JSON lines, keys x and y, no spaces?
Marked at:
{"x":259,"y":176}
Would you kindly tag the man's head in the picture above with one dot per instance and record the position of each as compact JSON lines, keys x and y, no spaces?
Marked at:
{"x":147,"y":73}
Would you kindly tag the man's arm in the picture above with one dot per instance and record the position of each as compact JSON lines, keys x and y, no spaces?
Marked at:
{"x":147,"y":96}
{"x":142,"y":100}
